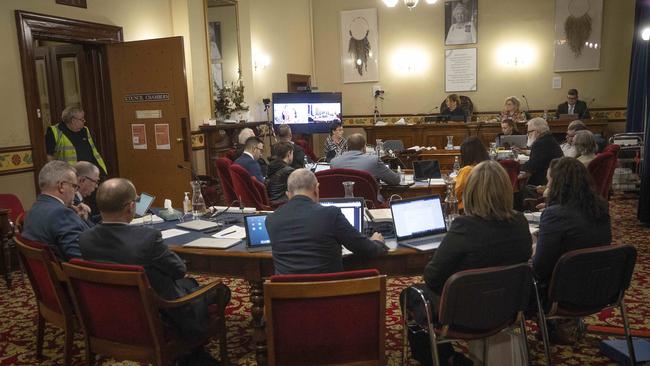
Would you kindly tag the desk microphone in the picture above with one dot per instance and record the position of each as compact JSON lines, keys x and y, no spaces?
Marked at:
{"x":526,"y":100}
{"x":180,"y":166}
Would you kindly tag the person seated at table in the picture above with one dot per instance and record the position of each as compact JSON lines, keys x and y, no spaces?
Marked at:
{"x":355,"y":158}
{"x":509,"y":128}
{"x":575,"y":217}
{"x":335,"y":144}
{"x":307,"y":237}
{"x":285,"y":135}
{"x":279,"y":170}
{"x":88,"y":180}
{"x":490,"y":234}
{"x":511,"y":111}
{"x":567,"y":146}
{"x":453,"y":108}
{"x":249,"y":159}
{"x":543,"y":149}
{"x":585,"y":145}
{"x":115,"y":241}
{"x":472,"y":152}
{"x":573,"y":106}
{"x":243,"y":136}
{"x":52,"y":220}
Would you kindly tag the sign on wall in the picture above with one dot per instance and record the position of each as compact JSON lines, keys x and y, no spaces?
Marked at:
{"x":460,"y":70}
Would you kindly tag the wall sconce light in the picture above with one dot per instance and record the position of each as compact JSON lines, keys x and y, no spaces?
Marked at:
{"x":515,"y":55}
{"x":409,"y":61}
{"x":261,"y":62}
{"x":645,"y":34}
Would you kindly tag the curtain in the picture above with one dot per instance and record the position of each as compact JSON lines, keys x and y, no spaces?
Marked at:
{"x":638,"y":111}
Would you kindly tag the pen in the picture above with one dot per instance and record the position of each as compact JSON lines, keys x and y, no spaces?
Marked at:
{"x":228,"y":233}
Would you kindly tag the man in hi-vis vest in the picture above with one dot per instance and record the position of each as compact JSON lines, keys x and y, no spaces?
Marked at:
{"x":70,"y":140}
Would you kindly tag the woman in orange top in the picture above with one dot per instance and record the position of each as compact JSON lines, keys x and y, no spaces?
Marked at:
{"x":472,"y":152}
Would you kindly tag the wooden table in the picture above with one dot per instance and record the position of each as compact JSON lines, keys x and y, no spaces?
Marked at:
{"x":255,"y":267}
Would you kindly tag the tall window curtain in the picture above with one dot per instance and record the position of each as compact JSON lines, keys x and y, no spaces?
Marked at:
{"x":638,"y":109}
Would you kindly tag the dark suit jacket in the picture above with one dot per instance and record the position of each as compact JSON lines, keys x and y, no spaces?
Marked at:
{"x":563,"y":229}
{"x":580,"y":109}
{"x":264,"y":166}
{"x":52,"y":223}
{"x":298,"y":157}
{"x":544,"y":149}
{"x":307,"y":237}
{"x":252,"y":166}
{"x":276,"y":184}
{"x":473,"y":242}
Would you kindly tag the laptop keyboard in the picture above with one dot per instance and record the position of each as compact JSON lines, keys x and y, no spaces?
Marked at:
{"x":424,"y":241}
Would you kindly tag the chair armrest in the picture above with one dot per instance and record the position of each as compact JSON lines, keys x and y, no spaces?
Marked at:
{"x":165,"y":304}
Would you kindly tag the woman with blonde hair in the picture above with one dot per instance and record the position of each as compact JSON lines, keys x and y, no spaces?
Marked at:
{"x":490,"y":234}
{"x":511,"y":110}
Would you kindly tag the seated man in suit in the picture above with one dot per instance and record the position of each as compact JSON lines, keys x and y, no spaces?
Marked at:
{"x":115,"y":241}
{"x":244,"y":135}
{"x":51,"y":220}
{"x":355,"y":158}
{"x":573,"y":106}
{"x":285,"y":135}
{"x":248,"y":160}
{"x":279,"y":170}
{"x":307,"y":237}
{"x":88,"y":179}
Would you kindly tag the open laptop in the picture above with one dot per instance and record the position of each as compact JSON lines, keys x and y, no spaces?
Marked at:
{"x":257,"y":238}
{"x":352,"y":208}
{"x":143,"y":204}
{"x":426,"y":169}
{"x":509,"y":141}
{"x":419,"y":222}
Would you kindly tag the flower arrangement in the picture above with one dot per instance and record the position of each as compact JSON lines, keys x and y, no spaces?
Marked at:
{"x":230,"y":99}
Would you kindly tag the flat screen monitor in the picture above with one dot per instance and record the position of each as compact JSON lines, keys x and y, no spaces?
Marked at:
{"x":307,"y":112}
{"x":352,"y":209}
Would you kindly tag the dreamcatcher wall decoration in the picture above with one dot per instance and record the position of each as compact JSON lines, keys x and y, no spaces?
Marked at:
{"x":578,"y":25}
{"x":359,"y":45}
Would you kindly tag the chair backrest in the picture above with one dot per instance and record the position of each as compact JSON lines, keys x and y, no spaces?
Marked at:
{"x":223,"y":172}
{"x":249,"y":191}
{"x":326,"y":319}
{"x":307,"y":148}
{"x":395,"y":145}
{"x":231,"y":154}
{"x":613,"y":148}
{"x":114,"y":303}
{"x":512,"y":168}
{"x":586,"y":280}
{"x":481,"y":302}
{"x":602,"y":170}
{"x":465,"y":102}
{"x":331,"y":184}
{"x":11,"y":201}
{"x":45,"y":275}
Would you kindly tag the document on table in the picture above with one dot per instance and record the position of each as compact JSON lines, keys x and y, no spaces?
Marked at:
{"x":232,"y":232}
{"x":170,"y":233}
{"x":212,"y":243}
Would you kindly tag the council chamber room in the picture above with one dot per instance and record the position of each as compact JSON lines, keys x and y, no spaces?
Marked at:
{"x":324,"y":182}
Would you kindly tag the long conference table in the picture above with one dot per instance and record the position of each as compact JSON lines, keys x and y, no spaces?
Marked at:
{"x":255,"y":267}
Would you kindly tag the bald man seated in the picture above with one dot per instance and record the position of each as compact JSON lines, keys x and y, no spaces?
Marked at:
{"x":115,"y":241}
{"x":52,"y":220}
{"x":307,"y":237}
{"x":356,"y":158}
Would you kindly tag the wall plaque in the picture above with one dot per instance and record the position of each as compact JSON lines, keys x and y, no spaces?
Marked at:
{"x":146,"y":97}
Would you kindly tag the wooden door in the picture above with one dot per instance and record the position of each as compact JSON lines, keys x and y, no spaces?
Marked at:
{"x":151,"y":116}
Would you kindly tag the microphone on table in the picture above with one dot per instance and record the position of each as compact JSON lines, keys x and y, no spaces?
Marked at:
{"x":526,"y":100}
{"x":180,"y":166}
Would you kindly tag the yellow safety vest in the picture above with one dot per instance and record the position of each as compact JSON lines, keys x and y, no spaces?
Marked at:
{"x":65,"y":150}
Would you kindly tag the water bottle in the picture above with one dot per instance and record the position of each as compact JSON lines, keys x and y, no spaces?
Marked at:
{"x":402,"y":177}
{"x":450,"y":143}
{"x":198,"y":204}
{"x":456,"y":167}
{"x":451,"y":204}
{"x":187,"y":204}
{"x":306,"y":161}
{"x":545,"y":115}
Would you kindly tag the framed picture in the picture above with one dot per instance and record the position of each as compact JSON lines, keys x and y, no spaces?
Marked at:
{"x":214,"y":33}
{"x":578,"y":25}
{"x":461,"y":22}
{"x":460,"y":70}
{"x":77,"y":3}
{"x":359,"y":46}
{"x":217,"y":78}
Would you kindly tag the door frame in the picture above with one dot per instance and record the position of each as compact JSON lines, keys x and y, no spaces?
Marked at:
{"x":32,"y":26}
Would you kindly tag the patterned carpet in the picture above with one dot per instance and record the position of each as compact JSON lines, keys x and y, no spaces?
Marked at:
{"x":17,"y":314}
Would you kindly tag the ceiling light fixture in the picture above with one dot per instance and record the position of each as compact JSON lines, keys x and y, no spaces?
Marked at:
{"x":409,"y":3}
{"x":390,"y":3}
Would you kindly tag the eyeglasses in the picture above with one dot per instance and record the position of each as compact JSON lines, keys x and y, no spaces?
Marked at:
{"x":80,"y":119}
{"x":531,"y":131}
{"x":73,"y":185}
{"x":96,"y":181}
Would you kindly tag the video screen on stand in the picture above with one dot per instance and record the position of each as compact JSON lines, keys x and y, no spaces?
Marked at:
{"x":307,"y":112}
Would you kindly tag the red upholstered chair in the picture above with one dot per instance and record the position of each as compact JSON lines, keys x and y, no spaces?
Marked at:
{"x":333,"y":319}
{"x":613,"y":148}
{"x":249,"y":191}
{"x":47,"y":280}
{"x":512,"y":168}
{"x":120,"y":314}
{"x":365,"y":185}
{"x":230,"y":154}
{"x":223,"y":172}
{"x":585,"y":282}
{"x":602,"y":170}
{"x":10,"y":201}
{"x":474,"y":304}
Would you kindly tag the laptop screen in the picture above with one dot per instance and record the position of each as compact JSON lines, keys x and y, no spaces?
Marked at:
{"x":143,"y":204}
{"x":320,"y":167}
{"x":426,"y":169}
{"x":256,"y":231}
{"x":352,"y":209}
{"x":513,"y":140}
{"x":418,"y":217}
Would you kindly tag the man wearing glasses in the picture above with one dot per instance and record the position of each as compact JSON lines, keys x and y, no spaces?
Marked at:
{"x":70,"y":140}
{"x":51,"y":220}
{"x":543,"y":149}
{"x":253,"y":150}
{"x":573,"y":106}
{"x":88,"y":180}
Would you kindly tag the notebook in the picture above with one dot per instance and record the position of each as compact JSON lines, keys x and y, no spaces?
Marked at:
{"x":419,"y":222}
{"x":257,"y":238}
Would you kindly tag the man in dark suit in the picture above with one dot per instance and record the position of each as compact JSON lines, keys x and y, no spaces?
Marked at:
{"x":52,"y":220}
{"x":115,"y":241}
{"x":248,"y":160}
{"x":543,"y":149}
{"x":244,"y":135}
{"x":307,"y":237}
{"x":285,"y":135}
{"x":573,"y":106}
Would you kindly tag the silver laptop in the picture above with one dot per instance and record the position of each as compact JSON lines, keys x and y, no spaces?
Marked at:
{"x":198,"y":225}
{"x":143,"y":204}
{"x":419,"y":222}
